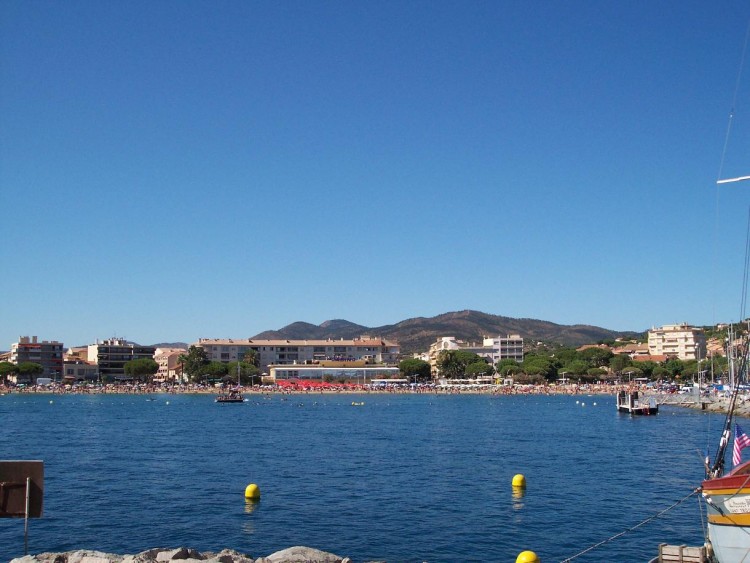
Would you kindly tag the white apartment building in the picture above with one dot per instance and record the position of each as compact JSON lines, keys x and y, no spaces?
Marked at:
{"x":493,"y":349}
{"x":358,"y":373}
{"x":280,"y":352}
{"x":677,"y":341}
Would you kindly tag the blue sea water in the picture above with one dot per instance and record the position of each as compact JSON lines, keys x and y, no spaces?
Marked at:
{"x":399,"y":478}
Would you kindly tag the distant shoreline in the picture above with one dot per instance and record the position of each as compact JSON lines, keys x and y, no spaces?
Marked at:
{"x":713,"y":404}
{"x":590,"y":389}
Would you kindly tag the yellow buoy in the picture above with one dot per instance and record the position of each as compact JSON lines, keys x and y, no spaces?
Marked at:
{"x":527,"y":557}
{"x":519,"y":480}
{"x":252,"y":491}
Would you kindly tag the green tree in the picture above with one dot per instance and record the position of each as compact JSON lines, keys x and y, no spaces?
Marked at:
{"x":31,"y":368}
{"x":576,"y":367}
{"x":415,"y":368}
{"x":596,"y":357}
{"x":539,"y":365}
{"x":567,"y":355}
{"x":249,"y":373}
{"x":452,"y":363}
{"x":618,"y":363}
{"x":674,"y":366}
{"x":631,"y":373}
{"x":250,"y":357}
{"x":27,"y":371}
{"x":194,"y":363}
{"x":480,"y":368}
{"x":6,"y":369}
{"x":142,"y":369}
{"x":215,"y":370}
{"x":647,"y":368}
{"x":509,"y":370}
{"x":592,"y":374}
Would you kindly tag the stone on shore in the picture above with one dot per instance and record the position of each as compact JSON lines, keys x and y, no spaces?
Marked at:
{"x":301,"y":554}
{"x":298,"y":554}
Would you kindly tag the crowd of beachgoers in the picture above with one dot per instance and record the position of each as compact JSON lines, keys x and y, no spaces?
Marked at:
{"x":310,"y":387}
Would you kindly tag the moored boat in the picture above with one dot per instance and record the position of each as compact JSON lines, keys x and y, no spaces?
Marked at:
{"x":232,"y":397}
{"x":727,"y":501}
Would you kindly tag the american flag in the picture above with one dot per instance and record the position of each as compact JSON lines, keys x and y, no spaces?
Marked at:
{"x":741,"y":441}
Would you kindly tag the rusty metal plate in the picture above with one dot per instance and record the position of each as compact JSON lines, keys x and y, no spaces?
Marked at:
{"x":13,"y":475}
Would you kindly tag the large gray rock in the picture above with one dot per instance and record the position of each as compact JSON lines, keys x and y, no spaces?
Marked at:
{"x":80,"y":556}
{"x":298,"y":554}
{"x":227,"y":556}
{"x":301,"y":554}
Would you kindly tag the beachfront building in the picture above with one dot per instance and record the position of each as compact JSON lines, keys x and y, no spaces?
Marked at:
{"x":492,"y":349}
{"x":79,"y":370}
{"x":680,"y":341}
{"x":169,"y":364}
{"x":284,"y":352}
{"x":48,"y":354}
{"x":111,"y":355}
{"x":335,"y":372}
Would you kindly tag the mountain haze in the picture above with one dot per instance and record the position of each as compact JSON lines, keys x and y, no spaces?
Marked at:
{"x":416,"y":335}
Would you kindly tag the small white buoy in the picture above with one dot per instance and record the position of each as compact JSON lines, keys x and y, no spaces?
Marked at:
{"x":594,"y":404}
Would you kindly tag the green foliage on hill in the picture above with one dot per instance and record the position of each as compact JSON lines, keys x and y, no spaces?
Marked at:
{"x":416,"y":335}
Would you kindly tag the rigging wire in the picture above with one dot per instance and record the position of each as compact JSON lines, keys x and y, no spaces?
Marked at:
{"x":718,"y":466}
{"x":734,"y":101}
{"x":638,"y":525}
{"x":743,"y":300}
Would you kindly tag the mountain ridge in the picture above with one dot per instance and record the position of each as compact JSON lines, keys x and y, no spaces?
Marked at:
{"x":417,"y":333}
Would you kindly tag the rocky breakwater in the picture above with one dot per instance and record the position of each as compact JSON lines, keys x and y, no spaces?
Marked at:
{"x":299,"y":554}
{"x":711,"y":403}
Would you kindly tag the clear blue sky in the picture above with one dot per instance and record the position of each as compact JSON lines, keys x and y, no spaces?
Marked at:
{"x":174,"y":170}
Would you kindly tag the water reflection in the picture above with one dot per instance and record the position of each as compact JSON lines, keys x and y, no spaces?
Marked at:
{"x":518,"y":494}
{"x":248,"y":526}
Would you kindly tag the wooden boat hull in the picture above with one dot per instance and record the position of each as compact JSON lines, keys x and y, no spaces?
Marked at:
{"x":728,"y":510}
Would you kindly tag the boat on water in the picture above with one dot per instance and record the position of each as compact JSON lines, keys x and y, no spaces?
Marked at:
{"x":727,"y":496}
{"x":631,"y":403}
{"x":727,"y":502}
{"x":234,"y":396}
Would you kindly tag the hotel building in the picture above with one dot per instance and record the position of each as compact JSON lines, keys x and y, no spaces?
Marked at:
{"x":282,"y":352}
{"x":677,"y":341}
{"x":492,"y":349}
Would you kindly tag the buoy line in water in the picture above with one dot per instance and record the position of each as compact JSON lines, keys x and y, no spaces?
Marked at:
{"x":638,"y":525}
